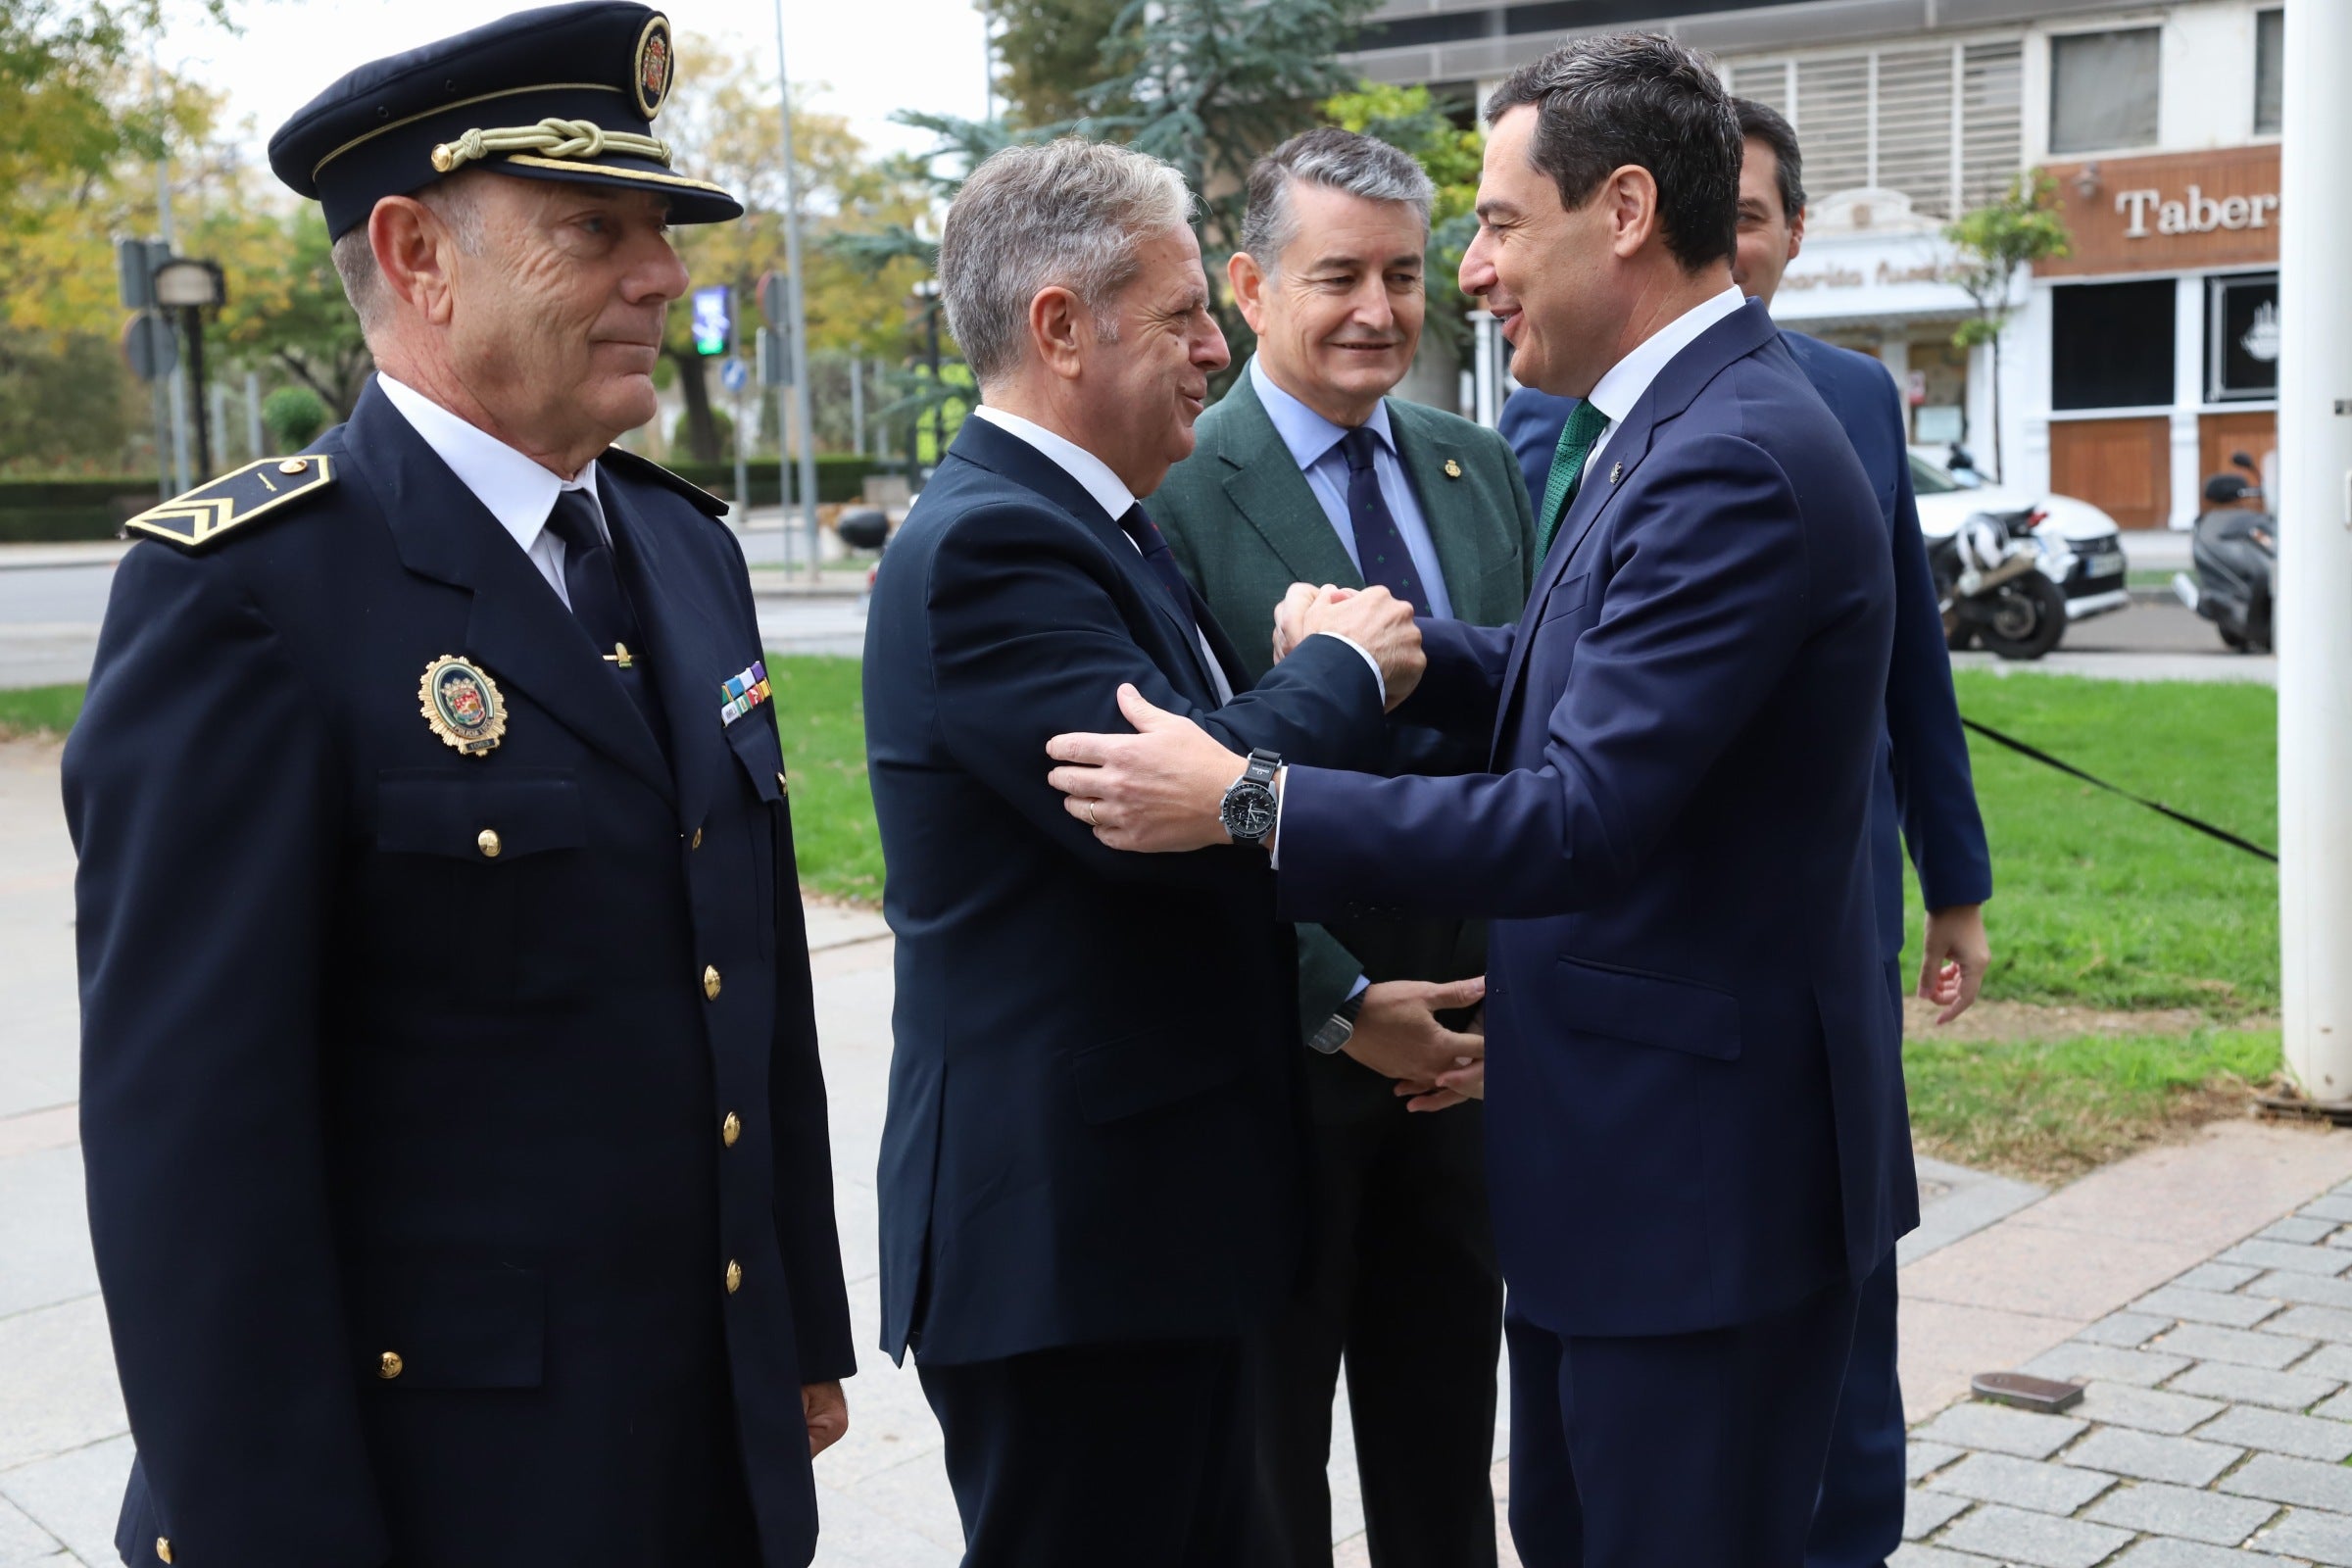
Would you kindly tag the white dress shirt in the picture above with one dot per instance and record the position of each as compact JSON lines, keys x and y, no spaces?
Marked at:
{"x":519,"y":492}
{"x":1618,"y":391}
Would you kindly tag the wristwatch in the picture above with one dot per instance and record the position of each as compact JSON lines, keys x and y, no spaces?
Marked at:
{"x":1338,"y":1028}
{"x":1248,"y":811}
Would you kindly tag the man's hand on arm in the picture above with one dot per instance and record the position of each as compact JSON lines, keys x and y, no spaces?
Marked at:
{"x":1158,"y":791}
{"x":826,"y":1410}
{"x":1397,"y":1033}
{"x":1953,"y":958}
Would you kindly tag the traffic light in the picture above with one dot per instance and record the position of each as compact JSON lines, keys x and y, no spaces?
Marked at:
{"x":713,"y":319}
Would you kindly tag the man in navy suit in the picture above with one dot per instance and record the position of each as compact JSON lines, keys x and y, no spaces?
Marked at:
{"x":1922,"y":797}
{"x":1092,"y":1166}
{"x":456,"y":1133}
{"x":1697,"y":1142}
{"x":1922,"y":783}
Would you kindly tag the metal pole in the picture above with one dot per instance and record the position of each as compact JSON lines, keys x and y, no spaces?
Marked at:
{"x":168,"y":392}
{"x":253,"y":412}
{"x":797,"y":309}
{"x":858,"y":404}
{"x":737,"y":302}
{"x":2314,"y":515}
{"x":192,"y":322}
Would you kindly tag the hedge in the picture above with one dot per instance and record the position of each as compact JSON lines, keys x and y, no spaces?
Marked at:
{"x":840,"y":476}
{"x":54,"y":510}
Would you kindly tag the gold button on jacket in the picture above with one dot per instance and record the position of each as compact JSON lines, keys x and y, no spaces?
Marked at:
{"x":710,"y":982}
{"x":163,"y":1548}
{"x":734,"y":1277}
{"x":488,"y":844}
{"x":730,"y":1129}
{"x":388,"y":1365}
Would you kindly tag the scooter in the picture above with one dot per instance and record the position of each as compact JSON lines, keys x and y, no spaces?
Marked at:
{"x":1991,"y":585}
{"x":2234,"y":549}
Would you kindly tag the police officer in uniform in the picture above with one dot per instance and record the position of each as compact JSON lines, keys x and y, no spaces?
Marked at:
{"x":455,"y":1138}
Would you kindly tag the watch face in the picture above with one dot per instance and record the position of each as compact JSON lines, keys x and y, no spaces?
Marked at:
{"x":1249,"y":812}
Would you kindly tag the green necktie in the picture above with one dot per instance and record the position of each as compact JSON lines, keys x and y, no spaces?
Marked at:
{"x":1584,"y":428}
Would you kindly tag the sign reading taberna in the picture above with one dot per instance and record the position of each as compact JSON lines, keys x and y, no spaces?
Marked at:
{"x":2150,"y":211}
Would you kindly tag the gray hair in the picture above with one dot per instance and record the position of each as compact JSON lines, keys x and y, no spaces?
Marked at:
{"x":1336,"y":160}
{"x":457,"y":201}
{"x":1069,"y":214}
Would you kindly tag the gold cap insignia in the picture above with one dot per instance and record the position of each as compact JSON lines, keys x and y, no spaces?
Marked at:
{"x":463,"y":706}
{"x":206,"y":513}
{"x":656,"y":64}
{"x":1453,"y":470}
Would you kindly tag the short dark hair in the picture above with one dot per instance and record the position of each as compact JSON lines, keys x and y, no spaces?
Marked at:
{"x":1614,"y":98}
{"x":1763,"y":122}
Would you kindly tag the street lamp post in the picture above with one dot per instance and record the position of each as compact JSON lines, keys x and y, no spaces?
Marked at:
{"x":2315,"y":551}
{"x":803,"y":406}
{"x":191,"y":287}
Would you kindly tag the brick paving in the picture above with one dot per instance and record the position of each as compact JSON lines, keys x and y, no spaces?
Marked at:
{"x":2214,"y":1431}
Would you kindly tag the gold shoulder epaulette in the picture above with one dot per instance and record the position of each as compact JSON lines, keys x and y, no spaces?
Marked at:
{"x":206,"y":513}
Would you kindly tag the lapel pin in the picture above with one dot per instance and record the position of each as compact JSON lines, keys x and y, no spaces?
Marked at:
{"x":1453,"y":470}
{"x":1615,"y":470}
{"x":463,"y":706}
{"x":621,"y":656}
{"x":744,"y":693}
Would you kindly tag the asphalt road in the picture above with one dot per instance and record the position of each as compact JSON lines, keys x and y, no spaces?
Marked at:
{"x":49,"y":618}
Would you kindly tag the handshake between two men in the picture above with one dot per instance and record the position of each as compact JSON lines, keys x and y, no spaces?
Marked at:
{"x":1158,"y":791}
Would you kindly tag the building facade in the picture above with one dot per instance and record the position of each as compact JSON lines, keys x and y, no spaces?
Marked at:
{"x":2130,"y":369}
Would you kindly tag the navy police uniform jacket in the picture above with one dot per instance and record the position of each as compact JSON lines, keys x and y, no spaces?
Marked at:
{"x":455,"y":1138}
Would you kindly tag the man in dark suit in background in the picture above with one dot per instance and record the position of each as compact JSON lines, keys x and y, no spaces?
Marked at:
{"x":1922,"y":782}
{"x":1698,"y":1148}
{"x":1308,"y":471}
{"x":457,"y":1165}
{"x":1090,"y":1168}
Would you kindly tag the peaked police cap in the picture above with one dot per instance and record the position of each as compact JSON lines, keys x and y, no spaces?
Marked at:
{"x":562,"y":93}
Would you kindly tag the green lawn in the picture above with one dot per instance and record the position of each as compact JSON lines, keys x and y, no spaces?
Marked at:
{"x":821,"y":719}
{"x":39,"y":711}
{"x":2101,"y":903}
{"x":2049,"y":1110}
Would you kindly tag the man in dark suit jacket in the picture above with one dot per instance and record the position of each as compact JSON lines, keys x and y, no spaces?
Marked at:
{"x":1091,"y":1172}
{"x":1308,"y":471}
{"x":455,"y":1130}
{"x":1921,"y":796}
{"x":1698,"y":1142}
{"x":1531,"y":423}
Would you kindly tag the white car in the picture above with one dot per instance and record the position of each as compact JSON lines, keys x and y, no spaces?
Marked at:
{"x":2081,"y":548}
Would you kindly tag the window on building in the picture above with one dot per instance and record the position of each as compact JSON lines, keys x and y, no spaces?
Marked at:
{"x":1938,"y":122}
{"x":2103,"y":90}
{"x":2111,"y":345}
{"x":2270,"y":68}
{"x":2242,"y":351}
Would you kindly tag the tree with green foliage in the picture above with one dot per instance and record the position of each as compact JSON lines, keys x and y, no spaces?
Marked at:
{"x":1048,"y":53}
{"x":293,"y":416}
{"x":1997,"y":242}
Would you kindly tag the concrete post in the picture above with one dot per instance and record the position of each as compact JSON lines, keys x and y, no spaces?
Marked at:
{"x":2314,"y":618}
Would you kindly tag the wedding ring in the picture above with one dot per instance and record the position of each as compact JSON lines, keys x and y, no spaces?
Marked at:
{"x":1090,"y":819}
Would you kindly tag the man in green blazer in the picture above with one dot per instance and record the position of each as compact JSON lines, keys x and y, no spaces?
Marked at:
{"x":1308,"y":471}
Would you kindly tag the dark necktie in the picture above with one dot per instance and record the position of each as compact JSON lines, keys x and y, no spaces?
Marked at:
{"x":1137,"y":525}
{"x":1380,"y":552}
{"x":592,"y":581}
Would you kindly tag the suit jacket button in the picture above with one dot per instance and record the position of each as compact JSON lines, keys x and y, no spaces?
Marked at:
{"x":163,"y":1548}
{"x":388,"y":1365}
{"x":698,"y":839}
{"x":734,"y":1276}
{"x":487,"y":842}
{"x":730,"y":1129}
{"x":783,"y":783}
{"x":710,"y":982}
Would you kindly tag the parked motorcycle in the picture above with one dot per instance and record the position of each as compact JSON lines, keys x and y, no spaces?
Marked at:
{"x":2234,"y":549}
{"x":1989,"y":582}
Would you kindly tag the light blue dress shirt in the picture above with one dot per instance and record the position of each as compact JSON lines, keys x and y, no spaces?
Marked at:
{"x":1314,"y":442}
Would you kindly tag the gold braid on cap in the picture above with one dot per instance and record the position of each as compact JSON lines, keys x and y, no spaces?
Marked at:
{"x":559,"y":139}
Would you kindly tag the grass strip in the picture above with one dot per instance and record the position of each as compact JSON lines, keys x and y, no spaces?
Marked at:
{"x":39,"y":711}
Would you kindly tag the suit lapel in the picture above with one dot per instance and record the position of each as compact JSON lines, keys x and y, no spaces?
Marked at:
{"x":1267,"y":488}
{"x":1006,"y":454}
{"x":519,"y":631}
{"x":1681,"y":380}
